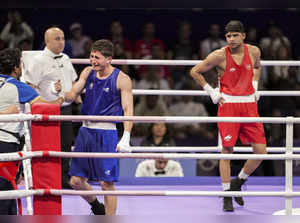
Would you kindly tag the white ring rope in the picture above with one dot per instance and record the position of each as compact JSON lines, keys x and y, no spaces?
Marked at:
{"x":19,"y":117}
{"x":4,"y":157}
{"x":40,"y":192}
{"x":182,"y":62}
{"x":147,"y":119}
{"x":211,"y":149}
{"x":175,"y":193}
{"x":204,"y":93}
{"x":174,"y":119}
{"x":14,"y":194}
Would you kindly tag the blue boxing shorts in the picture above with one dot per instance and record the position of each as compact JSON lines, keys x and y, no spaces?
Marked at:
{"x":96,"y":169}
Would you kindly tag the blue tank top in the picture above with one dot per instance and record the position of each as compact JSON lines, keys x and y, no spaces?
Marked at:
{"x":102,"y":96}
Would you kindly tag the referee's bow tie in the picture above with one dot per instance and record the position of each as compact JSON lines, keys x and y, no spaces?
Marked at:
{"x":59,"y":56}
{"x":160,"y":172}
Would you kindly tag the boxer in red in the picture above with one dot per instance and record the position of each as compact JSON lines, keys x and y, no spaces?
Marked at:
{"x":239,"y":69}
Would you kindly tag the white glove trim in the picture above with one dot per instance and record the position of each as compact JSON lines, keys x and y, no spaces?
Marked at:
{"x":123,"y":145}
{"x":213,"y":93}
{"x":255,"y":86}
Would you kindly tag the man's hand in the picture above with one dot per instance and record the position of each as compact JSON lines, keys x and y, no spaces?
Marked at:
{"x":56,"y":87}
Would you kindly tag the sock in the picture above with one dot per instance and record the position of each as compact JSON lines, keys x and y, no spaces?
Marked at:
{"x":243,"y":175}
{"x":226,"y":186}
{"x":97,"y":207}
{"x":95,"y":203}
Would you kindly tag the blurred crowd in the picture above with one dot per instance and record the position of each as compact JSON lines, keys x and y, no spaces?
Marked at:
{"x":274,"y":44}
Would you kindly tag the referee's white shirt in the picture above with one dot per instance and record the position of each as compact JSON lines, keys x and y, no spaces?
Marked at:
{"x":42,"y":70}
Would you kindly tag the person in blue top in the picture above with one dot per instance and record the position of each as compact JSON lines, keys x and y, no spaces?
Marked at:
{"x":14,"y":95}
{"x":108,"y":91}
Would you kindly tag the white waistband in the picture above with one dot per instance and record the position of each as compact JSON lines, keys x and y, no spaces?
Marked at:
{"x":99,"y":125}
{"x":238,"y":99}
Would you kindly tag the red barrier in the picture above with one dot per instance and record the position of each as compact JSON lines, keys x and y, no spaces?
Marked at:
{"x":46,"y":171}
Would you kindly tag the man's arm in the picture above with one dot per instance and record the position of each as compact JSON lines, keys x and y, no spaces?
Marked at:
{"x":28,"y":94}
{"x":59,"y":101}
{"x":257,"y":64}
{"x":78,"y":86}
{"x":256,"y":70}
{"x":78,"y":100}
{"x":213,"y":59}
{"x":32,"y":85}
{"x":125,"y":85}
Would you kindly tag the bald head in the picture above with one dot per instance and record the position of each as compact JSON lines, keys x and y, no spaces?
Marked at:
{"x":55,"y":40}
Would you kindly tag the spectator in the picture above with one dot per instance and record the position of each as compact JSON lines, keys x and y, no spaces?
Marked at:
{"x":119,"y":53}
{"x":2,"y":44}
{"x":270,"y":44}
{"x":156,"y":53}
{"x":15,"y":30}
{"x":77,"y":40}
{"x":148,"y":107}
{"x":25,"y":44}
{"x":159,"y":136}
{"x":117,"y":37}
{"x":188,"y":107}
{"x":251,"y":36}
{"x":142,"y":46}
{"x":212,"y":42}
{"x":152,"y":80}
{"x":182,"y":49}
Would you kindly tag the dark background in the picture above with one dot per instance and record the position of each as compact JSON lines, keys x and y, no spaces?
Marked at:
{"x":96,"y":22}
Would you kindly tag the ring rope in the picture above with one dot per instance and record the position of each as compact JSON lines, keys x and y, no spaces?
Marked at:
{"x":148,"y":119}
{"x":204,"y":93}
{"x":4,"y":157}
{"x":205,"y":149}
{"x":40,"y":192}
{"x":182,"y":62}
{"x":176,"y":193}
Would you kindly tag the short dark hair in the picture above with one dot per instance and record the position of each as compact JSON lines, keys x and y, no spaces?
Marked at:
{"x":9,"y":59}
{"x":104,"y":46}
{"x":234,"y":26}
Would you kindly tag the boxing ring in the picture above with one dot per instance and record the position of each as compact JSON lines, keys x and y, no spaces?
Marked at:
{"x":168,"y":195}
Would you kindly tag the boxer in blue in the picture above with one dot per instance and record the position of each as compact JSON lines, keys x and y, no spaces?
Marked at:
{"x":108,"y":91}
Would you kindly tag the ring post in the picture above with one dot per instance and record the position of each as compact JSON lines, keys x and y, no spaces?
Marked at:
{"x":27,"y":163}
{"x":289,"y":165}
{"x":46,"y":171}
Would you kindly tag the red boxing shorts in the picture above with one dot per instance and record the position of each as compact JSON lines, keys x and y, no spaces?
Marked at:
{"x":248,"y":132}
